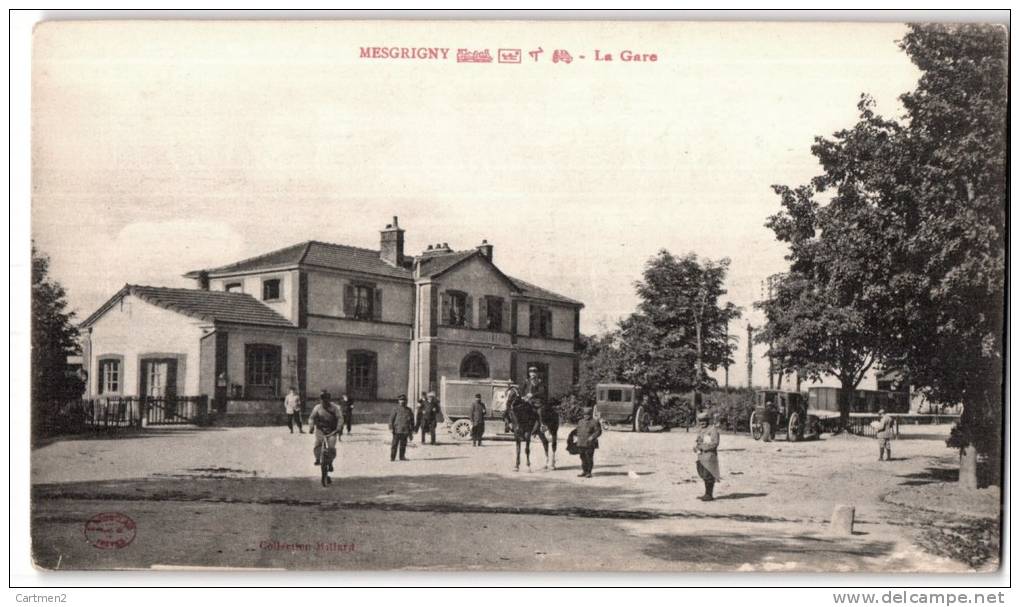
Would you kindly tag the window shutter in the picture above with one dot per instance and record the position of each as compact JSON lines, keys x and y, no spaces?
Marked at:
{"x":348,"y":300}
{"x":533,"y":320}
{"x":483,"y":312}
{"x":468,"y":316}
{"x":547,"y":322}
{"x":508,"y":322}
{"x":377,"y":308}
{"x":445,"y":317}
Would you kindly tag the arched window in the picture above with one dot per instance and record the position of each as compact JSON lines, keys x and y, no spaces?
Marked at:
{"x":474,"y":366}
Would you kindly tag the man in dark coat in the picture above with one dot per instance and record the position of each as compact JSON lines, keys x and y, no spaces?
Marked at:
{"x":428,"y":417}
{"x":402,"y":427}
{"x":347,"y":409}
{"x":705,"y":445}
{"x":477,"y":421}
{"x":587,"y":440}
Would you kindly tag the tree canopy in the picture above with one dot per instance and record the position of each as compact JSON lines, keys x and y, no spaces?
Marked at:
{"x":910,"y":247}
{"x":54,"y":335}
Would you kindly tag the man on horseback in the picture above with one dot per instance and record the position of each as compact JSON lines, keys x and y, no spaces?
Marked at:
{"x":536,"y":394}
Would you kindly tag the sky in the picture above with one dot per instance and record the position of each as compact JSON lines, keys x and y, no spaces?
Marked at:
{"x":160,"y":147}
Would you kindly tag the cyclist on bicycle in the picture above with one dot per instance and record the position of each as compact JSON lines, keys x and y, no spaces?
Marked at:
{"x":325,"y":420}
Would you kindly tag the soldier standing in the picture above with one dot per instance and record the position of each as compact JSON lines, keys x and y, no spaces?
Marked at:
{"x":402,"y":427}
{"x":587,"y":436}
{"x":477,"y":421}
{"x":428,"y":413}
{"x":705,"y":445}
{"x":347,"y":408}
{"x":884,"y":426}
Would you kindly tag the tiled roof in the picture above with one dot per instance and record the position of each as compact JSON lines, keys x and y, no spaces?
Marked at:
{"x":322,"y":254}
{"x":212,"y":306}
{"x":343,"y":257}
{"x":437,"y":264}
{"x":530,"y":290}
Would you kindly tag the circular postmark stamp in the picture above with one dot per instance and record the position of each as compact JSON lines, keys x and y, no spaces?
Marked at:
{"x":110,"y":530}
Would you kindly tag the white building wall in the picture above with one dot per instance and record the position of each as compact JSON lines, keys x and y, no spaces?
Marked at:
{"x":133,"y":328}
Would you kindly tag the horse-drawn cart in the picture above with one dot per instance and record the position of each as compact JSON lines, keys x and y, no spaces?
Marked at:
{"x":783,"y":411}
{"x":456,"y":397}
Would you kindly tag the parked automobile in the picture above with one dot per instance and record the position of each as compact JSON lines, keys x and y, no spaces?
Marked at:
{"x":456,"y":397}
{"x":639,"y":409}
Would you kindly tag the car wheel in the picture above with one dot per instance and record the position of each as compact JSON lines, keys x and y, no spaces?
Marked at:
{"x":794,"y":429}
{"x":461,"y":429}
{"x":757,"y":427}
{"x":642,"y":421}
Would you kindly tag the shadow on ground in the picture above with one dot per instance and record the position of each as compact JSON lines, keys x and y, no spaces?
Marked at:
{"x":733,"y":550}
{"x":931,"y":475}
{"x":539,"y":493}
{"x":123,"y":433}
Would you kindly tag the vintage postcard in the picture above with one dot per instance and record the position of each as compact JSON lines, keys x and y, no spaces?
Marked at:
{"x":518,"y":296}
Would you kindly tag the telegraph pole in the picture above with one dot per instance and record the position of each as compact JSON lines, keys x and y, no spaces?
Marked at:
{"x":750,"y":355}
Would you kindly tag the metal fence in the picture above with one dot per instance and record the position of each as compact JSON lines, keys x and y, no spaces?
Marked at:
{"x":76,"y":415}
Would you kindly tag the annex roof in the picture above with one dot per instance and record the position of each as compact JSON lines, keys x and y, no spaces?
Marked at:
{"x":212,"y":306}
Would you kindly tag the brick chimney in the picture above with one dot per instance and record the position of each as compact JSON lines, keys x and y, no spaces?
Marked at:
{"x":486,"y":249}
{"x":391,"y":244}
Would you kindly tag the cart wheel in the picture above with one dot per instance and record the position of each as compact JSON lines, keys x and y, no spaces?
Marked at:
{"x":795,"y":429}
{"x":642,"y":421}
{"x":757,"y":428}
{"x":461,"y":429}
{"x":605,"y":424}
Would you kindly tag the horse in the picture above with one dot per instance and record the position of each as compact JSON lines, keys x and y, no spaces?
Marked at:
{"x":527,"y":420}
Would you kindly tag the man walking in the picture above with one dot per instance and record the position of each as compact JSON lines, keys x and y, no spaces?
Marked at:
{"x":324,"y":420}
{"x":292,"y":407}
{"x":705,"y":445}
{"x":477,"y":421}
{"x":428,"y":413}
{"x":347,"y":409}
{"x":587,"y":441}
{"x":402,"y":426}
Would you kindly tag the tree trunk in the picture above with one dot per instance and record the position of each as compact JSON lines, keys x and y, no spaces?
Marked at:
{"x":846,"y":394}
{"x":968,"y":467}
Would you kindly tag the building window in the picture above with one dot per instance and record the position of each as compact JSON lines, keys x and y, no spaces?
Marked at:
{"x":262,"y":370}
{"x":271,"y":289}
{"x":456,"y":309}
{"x":109,"y":376}
{"x":494,"y":313}
{"x":474,"y":366}
{"x":234,"y":287}
{"x":363,"y":302}
{"x":540,"y":321}
{"x":361,"y":374}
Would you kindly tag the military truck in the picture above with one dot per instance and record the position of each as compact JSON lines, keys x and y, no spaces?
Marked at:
{"x":456,"y":397}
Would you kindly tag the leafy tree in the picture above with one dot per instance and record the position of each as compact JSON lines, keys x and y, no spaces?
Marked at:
{"x":818,"y":321}
{"x":600,"y":361}
{"x":918,"y":209}
{"x":679,"y":329}
{"x":54,"y":336}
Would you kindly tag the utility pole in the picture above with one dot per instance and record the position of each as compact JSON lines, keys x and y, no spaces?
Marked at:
{"x":699,"y":371}
{"x":750,"y":355}
{"x":726,"y":365}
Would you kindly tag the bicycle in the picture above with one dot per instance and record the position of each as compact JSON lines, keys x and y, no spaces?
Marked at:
{"x":325,"y":458}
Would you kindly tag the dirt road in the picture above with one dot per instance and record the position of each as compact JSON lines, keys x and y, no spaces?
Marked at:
{"x":249,"y":497}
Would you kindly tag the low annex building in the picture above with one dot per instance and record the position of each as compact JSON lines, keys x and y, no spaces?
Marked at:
{"x":321,"y":316}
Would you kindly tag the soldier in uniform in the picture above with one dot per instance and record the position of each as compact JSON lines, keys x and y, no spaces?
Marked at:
{"x":587,"y":436}
{"x":428,"y":417}
{"x":402,"y":427}
{"x":535,"y":392}
{"x":884,"y":428}
{"x":347,"y":408}
{"x":477,"y":421}
{"x":706,"y":445}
